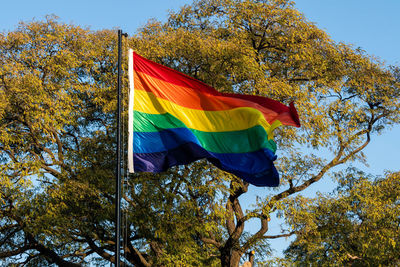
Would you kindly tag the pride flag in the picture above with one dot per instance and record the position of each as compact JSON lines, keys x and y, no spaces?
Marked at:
{"x":175,"y":119}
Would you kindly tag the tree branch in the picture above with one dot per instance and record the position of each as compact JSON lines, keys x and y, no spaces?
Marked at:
{"x":279,"y":236}
{"x":211,"y":241}
{"x":99,"y":250}
{"x":50,"y":254}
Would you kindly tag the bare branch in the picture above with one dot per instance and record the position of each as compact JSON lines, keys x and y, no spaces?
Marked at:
{"x":279,"y":236}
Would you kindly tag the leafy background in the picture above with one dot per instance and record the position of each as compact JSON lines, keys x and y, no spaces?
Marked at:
{"x":371,"y":25}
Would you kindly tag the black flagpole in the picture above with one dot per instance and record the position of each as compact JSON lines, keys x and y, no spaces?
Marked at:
{"x":118,"y":173}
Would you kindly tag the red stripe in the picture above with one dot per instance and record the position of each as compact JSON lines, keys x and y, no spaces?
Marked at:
{"x":201,"y":96}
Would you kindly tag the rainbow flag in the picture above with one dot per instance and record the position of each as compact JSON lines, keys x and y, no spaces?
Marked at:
{"x":175,"y":119}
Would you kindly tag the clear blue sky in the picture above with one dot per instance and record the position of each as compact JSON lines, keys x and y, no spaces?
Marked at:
{"x":369,"y":24}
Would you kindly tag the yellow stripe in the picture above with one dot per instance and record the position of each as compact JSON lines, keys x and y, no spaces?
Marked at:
{"x":207,"y":121}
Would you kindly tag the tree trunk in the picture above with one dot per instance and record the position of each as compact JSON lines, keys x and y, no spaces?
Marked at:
{"x":230,"y":258}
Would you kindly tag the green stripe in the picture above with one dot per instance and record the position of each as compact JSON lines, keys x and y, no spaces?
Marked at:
{"x":243,"y":141}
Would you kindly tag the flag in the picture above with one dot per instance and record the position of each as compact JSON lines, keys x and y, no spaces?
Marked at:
{"x":175,"y":119}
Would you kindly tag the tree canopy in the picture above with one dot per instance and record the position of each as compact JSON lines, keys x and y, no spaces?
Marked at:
{"x":57,"y":136}
{"x":358,"y":226}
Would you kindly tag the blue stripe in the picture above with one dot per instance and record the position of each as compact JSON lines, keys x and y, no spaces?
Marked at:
{"x":151,"y":142}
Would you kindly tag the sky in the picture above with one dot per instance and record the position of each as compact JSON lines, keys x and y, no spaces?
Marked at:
{"x":369,"y":24}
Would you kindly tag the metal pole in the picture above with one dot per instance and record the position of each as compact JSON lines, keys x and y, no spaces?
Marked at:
{"x":118,"y":171}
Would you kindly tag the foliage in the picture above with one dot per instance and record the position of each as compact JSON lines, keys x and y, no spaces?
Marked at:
{"x":56,"y":81}
{"x":357,"y":226}
{"x":57,"y":133}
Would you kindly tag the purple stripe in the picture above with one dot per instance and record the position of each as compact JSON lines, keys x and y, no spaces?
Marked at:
{"x":256,"y":168}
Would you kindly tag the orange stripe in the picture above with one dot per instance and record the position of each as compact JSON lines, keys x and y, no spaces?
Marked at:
{"x":189,"y":98}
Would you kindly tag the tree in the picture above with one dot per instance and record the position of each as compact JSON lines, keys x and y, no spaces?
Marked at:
{"x":357,"y":226}
{"x":58,"y":130}
{"x":52,"y":115}
{"x":269,"y":48}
